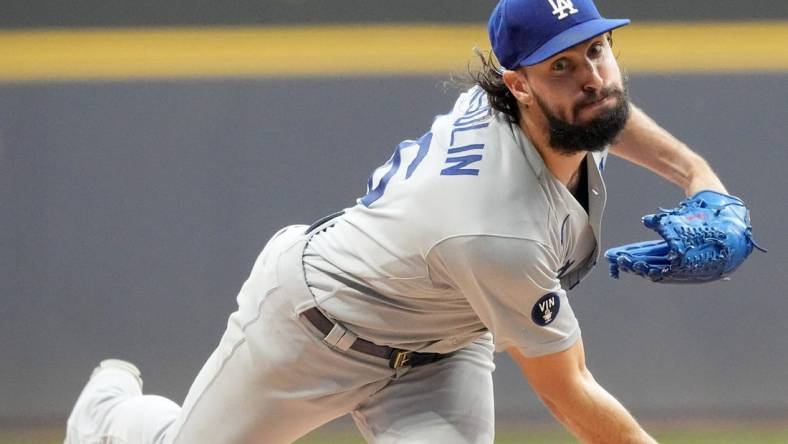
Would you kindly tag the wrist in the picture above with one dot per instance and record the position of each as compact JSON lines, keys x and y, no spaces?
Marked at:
{"x":696,"y":187}
{"x":703,"y":178}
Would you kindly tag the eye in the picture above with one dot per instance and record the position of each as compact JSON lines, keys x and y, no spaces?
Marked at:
{"x":595,"y":50}
{"x":560,"y":65}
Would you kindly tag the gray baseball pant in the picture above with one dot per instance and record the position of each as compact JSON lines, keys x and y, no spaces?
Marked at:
{"x":273,"y":379}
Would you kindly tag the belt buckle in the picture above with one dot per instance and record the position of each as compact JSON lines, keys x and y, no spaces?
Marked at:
{"x":400,"y":358}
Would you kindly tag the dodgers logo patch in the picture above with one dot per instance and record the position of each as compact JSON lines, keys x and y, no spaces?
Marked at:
{"x":546,"y":309}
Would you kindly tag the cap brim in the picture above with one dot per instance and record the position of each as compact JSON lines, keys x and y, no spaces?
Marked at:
{"x":571,"y":37}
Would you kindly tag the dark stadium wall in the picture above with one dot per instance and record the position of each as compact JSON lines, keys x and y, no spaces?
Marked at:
{"x":132,"y":212}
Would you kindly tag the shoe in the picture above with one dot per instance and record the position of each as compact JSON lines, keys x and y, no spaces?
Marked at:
{"x":120,"y":365}
{"x":112,"y":381}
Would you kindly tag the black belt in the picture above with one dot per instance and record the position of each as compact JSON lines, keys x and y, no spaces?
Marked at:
{"x":397,"y":358}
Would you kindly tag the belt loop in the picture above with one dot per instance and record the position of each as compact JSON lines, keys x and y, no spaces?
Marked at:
{"x":340,"y":337}
{"x":337,"y":336}
{"x":346,"y":341}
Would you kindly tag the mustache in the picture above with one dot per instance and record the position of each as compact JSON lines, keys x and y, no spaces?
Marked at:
{"x":604,"y":93}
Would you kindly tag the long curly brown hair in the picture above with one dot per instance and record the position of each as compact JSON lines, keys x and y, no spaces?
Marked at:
{"x":489,"y":76}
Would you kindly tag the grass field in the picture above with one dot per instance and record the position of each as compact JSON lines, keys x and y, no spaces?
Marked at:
{"x":728,"y":434}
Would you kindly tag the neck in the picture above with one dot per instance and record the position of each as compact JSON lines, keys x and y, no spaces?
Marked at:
{"x":564,"y":167}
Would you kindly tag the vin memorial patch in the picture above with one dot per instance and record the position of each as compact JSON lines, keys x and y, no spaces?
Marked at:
{"x":546,"y":309}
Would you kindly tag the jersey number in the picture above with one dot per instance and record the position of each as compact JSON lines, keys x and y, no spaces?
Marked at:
{"x":390,"y":168}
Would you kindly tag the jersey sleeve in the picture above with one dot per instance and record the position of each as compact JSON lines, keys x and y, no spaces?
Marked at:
{"x":512,"y":285}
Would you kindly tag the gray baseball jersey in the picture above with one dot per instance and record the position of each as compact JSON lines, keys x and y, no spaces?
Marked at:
{"x":462,"y":231}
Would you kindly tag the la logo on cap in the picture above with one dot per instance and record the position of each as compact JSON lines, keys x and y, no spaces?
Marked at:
{"x":562,"y":8}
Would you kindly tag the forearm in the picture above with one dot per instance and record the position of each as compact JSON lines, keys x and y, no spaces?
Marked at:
{"x":594,"y":416}
{"x":647,"y":144}
{"x":572,"y":394}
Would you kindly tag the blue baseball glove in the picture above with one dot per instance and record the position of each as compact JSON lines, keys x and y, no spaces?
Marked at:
{"x":704,"y":239}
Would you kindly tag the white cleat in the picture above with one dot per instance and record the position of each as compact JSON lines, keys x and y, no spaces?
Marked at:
{"x":111,"y":382}
{"x":120,"y":365}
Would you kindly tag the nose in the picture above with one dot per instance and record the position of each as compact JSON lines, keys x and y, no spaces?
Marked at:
{"x":592,"y":78}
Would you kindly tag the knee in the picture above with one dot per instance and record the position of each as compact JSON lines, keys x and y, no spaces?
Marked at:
{"x":144,"y":419}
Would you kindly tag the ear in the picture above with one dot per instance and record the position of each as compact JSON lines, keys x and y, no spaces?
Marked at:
{"x":518,"y":84}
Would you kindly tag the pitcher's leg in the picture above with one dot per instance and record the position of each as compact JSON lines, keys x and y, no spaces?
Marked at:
{"x":450,"y":401}
{"x":271,"y":379}
{"x":111,"y":409}
{"x":277,"y":382}
{"x":144,"y":419}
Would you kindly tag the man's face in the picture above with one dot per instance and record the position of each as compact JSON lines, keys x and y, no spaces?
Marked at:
{"x":582,"y":96}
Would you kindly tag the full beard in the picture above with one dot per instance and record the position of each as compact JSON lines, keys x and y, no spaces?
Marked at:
{"x":596,"y":135}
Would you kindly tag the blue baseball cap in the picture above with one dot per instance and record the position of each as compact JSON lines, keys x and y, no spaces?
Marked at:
{"x":526,"y":32}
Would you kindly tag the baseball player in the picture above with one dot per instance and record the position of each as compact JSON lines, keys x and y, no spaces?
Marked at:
{"x":466,"y":242}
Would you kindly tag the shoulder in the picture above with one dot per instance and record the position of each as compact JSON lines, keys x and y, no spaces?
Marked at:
{"x":478,"y":177}
{"x":471,"y":121}
{"x":502,"y":257}
{"x":512,"y":285}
